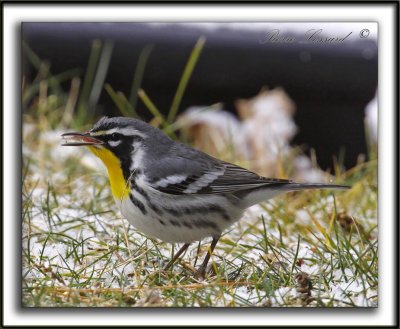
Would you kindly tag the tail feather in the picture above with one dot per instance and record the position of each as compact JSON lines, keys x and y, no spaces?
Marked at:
{"x":309,"y":186}
{"x":263,"y":193}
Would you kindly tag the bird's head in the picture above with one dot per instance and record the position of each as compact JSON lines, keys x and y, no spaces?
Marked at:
{"x":118,"y":135}
{"x":121,"y":143}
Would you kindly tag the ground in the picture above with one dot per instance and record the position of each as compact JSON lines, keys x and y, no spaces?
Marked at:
{"x":312,"y":248}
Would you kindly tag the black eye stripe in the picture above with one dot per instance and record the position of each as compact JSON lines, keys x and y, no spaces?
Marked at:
{"x":117,"y":137}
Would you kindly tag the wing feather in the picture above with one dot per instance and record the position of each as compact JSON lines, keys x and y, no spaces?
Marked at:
{"x":218,"y":178}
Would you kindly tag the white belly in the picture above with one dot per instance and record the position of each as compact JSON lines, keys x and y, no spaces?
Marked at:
{"x":173,"y":222}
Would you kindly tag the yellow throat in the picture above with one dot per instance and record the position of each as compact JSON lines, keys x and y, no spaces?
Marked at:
{"x":119,"y":188}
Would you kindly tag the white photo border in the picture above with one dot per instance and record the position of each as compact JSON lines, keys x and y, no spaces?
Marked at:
{"x":385,"y":13}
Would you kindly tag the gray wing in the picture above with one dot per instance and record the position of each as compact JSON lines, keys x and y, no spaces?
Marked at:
{"x":198,"y":173}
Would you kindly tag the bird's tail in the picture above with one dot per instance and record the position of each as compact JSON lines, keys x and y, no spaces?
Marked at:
{"x":263,"y":193}
{"x":310,"y":186}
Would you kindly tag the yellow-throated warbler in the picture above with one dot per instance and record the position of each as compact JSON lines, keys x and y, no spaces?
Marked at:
{"x":171,"y":191}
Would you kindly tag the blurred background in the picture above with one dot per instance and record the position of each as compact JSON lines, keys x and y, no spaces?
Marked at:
{"x":260,"y":89}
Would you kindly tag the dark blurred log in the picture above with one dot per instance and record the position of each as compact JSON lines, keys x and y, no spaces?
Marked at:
{"x":329,"y":83}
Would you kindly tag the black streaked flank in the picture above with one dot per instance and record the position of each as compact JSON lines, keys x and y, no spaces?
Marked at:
{"x":221,"y":210}
{"x":200,"y":223}
{"x":175,"y":223}
{"x":157,"y":210}
{"x":203,"y":210}
{"x":138,"y":204}
{"x":139,"y":190}
{"x":205,"y":223}
{"x":188,"y":225}
{"x":173,"y":212}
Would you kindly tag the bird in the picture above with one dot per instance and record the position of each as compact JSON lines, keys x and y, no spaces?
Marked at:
{"x":171,"y":191}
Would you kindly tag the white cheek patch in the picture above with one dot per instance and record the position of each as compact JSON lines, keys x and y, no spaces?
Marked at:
{"x":114,"y":143}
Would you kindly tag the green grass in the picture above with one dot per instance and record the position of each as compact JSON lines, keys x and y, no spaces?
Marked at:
{"x":79,"y":251}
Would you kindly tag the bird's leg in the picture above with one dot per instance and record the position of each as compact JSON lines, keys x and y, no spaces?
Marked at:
{"x":176,"y":256}
{"x":201,"y":272}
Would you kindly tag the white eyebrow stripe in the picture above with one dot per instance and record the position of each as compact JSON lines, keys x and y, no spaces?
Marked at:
{"x":98,"y":133}
{"x":127,"y":131}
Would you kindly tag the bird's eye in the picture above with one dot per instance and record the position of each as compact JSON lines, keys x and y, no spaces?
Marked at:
{"x":115,"y":137}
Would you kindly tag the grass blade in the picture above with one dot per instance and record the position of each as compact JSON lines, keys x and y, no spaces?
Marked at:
{"x":139,"y":72}
{"x":104,"y":63}
{"x":187,"y":72}
{"x":88,"y":80}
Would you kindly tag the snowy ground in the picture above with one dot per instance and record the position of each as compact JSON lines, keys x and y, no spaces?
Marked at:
{"x":68,"y":246}
{"x":315,"y":249}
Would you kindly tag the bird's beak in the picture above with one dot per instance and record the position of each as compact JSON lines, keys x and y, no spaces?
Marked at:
{"x":79,"y":139}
